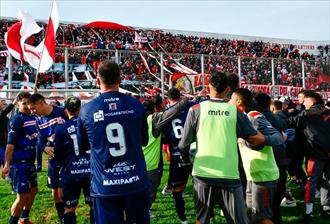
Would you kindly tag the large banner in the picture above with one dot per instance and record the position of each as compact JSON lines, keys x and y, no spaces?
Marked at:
{"x":190,"y":84}
{"x":280,"y":90}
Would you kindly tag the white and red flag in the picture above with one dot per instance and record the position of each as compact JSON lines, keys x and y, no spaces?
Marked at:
{"x":41,"y":57}
{"x":48,"y":53}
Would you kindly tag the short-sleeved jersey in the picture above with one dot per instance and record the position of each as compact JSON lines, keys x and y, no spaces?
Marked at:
{"x":116,"y":127}
{"x":174,"y":130}
{"x":23,"y":134}
{"x":47,"y":124}
{"x":75,"y":164}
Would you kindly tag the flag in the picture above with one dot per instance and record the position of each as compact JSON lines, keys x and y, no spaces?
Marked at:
{"x":18,"y":33}
{"x":48,"y":53}
{"x":140,"y":39}
{"x":26,"y":77}
{"x":4,"y":53}
{"x":74,"y":77}
{"x":40,"y":57}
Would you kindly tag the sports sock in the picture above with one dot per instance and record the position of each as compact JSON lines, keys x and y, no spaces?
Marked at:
{"x":13,"y":220}
{"x":91,"y":216}
{"x":60,"y":210}
{"x":69,"y":218}
{"x":25,"y":215}
{"x":179,"y":205}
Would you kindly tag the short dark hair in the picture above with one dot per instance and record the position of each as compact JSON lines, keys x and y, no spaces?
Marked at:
{"x":233,"y":81}
{"x":245,"y":95}
{"x":149,"y":106}
{"x":157,"y":100}
{"x":23,"y":95}
{"x":317,"y":97}
{"x":173,"y":94}
{"x":34,"y":98}
{"x":277,"y":104}
{"x":72,"y":104}
{"x":109,"y":72}
{"x":219,"y":81}
{"x":262,"y":100}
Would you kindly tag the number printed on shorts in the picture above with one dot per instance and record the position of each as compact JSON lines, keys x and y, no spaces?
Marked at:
{"x":115,"y":135}
{"x":177,"y":128}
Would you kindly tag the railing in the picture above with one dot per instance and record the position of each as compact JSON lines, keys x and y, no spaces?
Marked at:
{"x":144,"y":72}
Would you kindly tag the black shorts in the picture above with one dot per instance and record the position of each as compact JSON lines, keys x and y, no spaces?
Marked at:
{"x":72,"y":189}
{"x":54,"y":179}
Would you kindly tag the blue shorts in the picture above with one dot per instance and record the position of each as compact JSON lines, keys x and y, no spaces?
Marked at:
{"x":179,"y":176}
{"x":2,"y":155}
{"x":110,"y":210}
{"x":54,"y":179}
{"x":24,"y":177}
{"x":72,"y":189}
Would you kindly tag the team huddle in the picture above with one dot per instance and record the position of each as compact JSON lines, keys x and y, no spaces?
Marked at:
{"x":232,"y":142}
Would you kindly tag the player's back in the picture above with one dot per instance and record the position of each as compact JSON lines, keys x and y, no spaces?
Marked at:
{"x":74,"y":162}
{"x":174,"y":130}
{"x":116,"y":128}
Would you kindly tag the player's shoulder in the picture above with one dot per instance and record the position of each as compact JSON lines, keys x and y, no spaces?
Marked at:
{"x":18,"y":117}
{"x":195,"y":106}
{"x":58,"y":109}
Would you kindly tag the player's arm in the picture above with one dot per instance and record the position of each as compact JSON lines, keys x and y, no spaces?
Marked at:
{"x":272,"y":136}
{"x":161,"y":119}
{"x":297,"y":121}
{"x":7,"y":109}
{"x":82,"y":136}
{"x":8,"y":157}
{"x":144,"y":131}
{"x":245,"y":130}
{"x":15,"y":128}
{"x":189,"y":134}
{"x":58,"y":144}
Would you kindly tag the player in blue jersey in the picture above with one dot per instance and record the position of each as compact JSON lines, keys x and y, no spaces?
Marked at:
{"x":179,"y":172}
{"x":115,"y":127}
{"x":48,"y":117}
{"x":20,"y":157}
{"x":75,"y":164}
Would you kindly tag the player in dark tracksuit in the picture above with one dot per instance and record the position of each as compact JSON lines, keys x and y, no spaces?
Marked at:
{"x":315,"y":122}
{"x":179,"y":172}
{"x":4,"y":111}
{"x":75,"y":164}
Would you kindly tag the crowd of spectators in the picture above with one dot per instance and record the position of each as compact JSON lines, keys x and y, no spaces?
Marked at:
{"x":220,"y":55}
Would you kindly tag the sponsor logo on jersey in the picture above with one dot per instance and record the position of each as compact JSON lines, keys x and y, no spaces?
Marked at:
{"x":111,"y":100}
{"x":71,"y":129}
{"x":32,"y":136}
{"x":80,"y":171}
{"x":118,"y":113}
{"x":218,"y":112}
{"x":122,"y":181}
{"x":98,"y":116}
{"x":81,"y":162}
{"x":121,"y":168}
{"x":112,"y":106}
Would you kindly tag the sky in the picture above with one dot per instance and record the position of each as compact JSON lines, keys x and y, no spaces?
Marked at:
{"x":301,"y":20}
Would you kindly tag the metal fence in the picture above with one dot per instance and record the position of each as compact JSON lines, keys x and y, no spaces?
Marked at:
{"x":143,"y":72}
